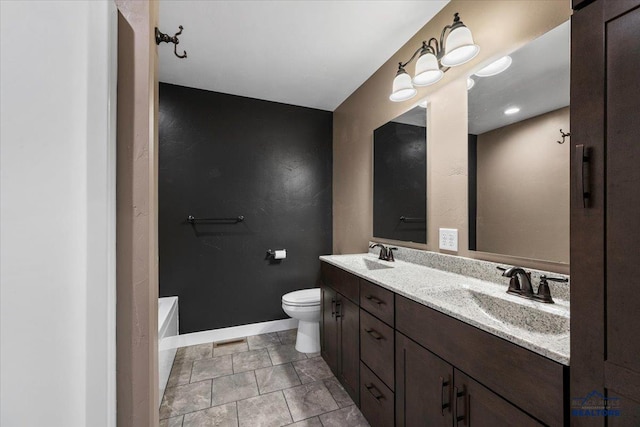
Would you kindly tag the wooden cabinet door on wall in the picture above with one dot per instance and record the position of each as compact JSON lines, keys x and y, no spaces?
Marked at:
{"x":605,"y":205}
{"x":329,"y":335}
{"x":424,"y":386}
{"x":349,"y":345}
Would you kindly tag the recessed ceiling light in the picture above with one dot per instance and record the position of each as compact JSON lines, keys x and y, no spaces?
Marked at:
{"x":470,"y":83}
{"x":423,"y":104}
{"x":496,"y":67}
{"x":512,"y":110}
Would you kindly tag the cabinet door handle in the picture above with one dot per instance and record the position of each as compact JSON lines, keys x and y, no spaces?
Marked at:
{"x":581,"y":180}
{"x":333,"y":307}
{"x":458,"y":394}
{"x":374,"y":333}
{"x":444,"y":405}
{"x":338,"y":309}
{"x":374,"y":299}
{"x":374,"y":392}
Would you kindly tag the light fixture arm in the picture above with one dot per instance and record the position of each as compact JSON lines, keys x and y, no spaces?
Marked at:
{"x":434,"y":59}
{"x":424,"y":46}
{"x":432,"y":46}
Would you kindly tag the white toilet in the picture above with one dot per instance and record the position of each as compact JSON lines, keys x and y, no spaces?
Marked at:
{"x":304,"y":305}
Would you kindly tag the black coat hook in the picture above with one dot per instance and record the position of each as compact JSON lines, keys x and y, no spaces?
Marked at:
{"x":564,"y":135}
{"x":162,"y":37}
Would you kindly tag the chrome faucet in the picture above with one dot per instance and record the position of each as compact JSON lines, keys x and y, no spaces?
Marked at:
{"x":386,"y":253}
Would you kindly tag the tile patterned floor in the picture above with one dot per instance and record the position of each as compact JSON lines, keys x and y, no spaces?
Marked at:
{"x":262,"y":382}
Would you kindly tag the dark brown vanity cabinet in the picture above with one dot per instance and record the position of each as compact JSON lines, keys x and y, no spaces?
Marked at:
{"x":431,"y":392}
{"x":340,"y":327}
{"x":406,"y":364}
{"x":530,"y":383}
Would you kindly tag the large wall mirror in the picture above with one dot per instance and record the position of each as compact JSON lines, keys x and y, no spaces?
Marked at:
{"x":400,"y":178}
{"x":518,"y":158}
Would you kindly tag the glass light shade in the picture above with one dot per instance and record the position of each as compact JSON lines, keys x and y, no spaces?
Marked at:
{"x":459,"y":47}
{"x":427,"y":70}
{"x":402,"y":88}
{"x":470,"y":83}
{"x":496,"y":67}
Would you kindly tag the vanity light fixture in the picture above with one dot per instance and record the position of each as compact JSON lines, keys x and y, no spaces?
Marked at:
{"x":470,"y":83}
{"x":496,"y":67}
{"x":435,"y":58}
{"x":512,"y":110}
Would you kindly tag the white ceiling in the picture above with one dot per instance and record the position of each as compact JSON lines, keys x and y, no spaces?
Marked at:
{"x":307,"y":53}
{"x":537,"y":82}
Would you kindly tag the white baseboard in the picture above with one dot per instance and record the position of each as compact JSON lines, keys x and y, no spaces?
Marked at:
{"x":225,"y":334}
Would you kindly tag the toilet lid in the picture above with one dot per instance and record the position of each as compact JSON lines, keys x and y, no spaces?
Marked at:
{"x":302,"y":297}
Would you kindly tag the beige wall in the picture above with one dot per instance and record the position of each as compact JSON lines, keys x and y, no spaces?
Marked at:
{"x":499,"y":27}
{"x":136,"y":240}
{"x":523,"y":189}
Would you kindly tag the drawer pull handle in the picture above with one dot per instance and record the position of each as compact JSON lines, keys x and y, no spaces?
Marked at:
{"x":444,"y":405}
{"x":458,"y":394}
{"x":374,"y":299}
{"x":374,"y":392}
{"x":374,"y":334}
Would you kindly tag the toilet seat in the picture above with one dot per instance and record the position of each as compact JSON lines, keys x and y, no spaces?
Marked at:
{"x":302,"y":298}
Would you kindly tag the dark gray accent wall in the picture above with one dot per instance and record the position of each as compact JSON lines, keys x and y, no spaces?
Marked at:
{"x":223,"y":156}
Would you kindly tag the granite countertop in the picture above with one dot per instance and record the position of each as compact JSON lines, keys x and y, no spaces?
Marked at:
{"x":542,"y":328}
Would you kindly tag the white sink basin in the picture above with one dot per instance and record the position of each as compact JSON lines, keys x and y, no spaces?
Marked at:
{"x":528,"y":315}
{"x":370,"y":264}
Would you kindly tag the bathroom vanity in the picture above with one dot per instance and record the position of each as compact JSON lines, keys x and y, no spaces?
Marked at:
{"x":415,"y":345}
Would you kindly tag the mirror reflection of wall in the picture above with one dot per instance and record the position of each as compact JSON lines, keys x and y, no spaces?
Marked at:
{"x":518,"y":172}
{"x":400,"y":178}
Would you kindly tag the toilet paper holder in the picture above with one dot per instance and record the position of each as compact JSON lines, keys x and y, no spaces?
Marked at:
{"x":277,"y":254}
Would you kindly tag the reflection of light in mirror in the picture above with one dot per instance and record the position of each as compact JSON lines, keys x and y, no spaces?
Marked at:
{"x":496,"y":67}
{"x":512,"y":110}
{"x":423,"y":104}
{"x":470,"y":83}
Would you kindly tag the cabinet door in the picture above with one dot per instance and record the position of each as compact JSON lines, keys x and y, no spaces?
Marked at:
{"x":423,"y":386}
{"x":349,"y":346}
{"x":474,"y":405}
{"x":329,"y":328}
{"x":605,"y":207}
{"x":622,"y":205}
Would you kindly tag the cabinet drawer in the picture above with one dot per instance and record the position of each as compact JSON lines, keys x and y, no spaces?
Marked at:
{"x":376,"y":400}
{"x":376,"y":347}
{"x":377,"y":301}
{"x":341,"y":281}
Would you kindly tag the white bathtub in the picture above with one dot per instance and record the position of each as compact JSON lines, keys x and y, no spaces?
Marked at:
{"x":167,"y":327}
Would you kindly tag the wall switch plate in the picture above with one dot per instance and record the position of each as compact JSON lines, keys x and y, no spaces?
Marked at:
{"x":449,"y":239}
